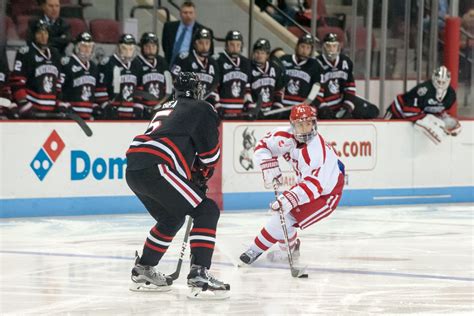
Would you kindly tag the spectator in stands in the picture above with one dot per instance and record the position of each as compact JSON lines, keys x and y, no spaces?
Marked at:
{"x":59,"y":29}
{"x":154,"y":77}
{"x":8,"y":109}
{"x":118,"y":81}
{"x":289,"y":7}
{"x":35,"y":80}
{"x":177,"y":35}
{"x":199,"y":61}
{"x":79,"y":75}
{"x":268,"y":80}
{"x":235,"y":74}
{"x":427,"y":104}
{"x":442,"y":12}
{"x":302,"y":81}
{"x":337,"y":98}
{"x":467,"y":46}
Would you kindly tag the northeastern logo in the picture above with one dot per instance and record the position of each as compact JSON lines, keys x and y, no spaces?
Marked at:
{"x":47,"y":155}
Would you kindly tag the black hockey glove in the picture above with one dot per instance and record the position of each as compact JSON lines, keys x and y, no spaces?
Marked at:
{"x":200,"y":175}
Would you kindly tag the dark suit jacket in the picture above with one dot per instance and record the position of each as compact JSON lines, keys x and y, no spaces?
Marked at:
{"x":169,"y":36}
{"x":59,"y":34}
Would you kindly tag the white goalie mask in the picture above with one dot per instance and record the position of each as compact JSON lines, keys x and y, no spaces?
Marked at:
{"x":441,"y":79}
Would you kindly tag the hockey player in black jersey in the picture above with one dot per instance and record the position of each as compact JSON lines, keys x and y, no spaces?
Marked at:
{"x":79,"y":78}
{"x":35,"y":80}
{"x":337,"y":97}
{"x":427,"y":104}
{"x":180,"y":145}
{"x":153,"y":75}
{"x":8,"y":109}
{"x":235,"y":74}
{"x":200,"y":62}
{"x":268,"y":80}
{"x":301,"y":70}
{"x":118,"y":81}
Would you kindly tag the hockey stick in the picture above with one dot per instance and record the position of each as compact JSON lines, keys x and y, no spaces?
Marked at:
{"x":175,"y":274}
{"x":296,"y":273}
{"x":64,"y":116}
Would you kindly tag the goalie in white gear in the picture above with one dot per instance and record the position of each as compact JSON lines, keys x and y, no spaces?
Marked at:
{"x":319,"y":181}
{"x":427,"y":105}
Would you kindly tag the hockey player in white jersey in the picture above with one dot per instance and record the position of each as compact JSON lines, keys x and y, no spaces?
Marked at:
{"x":319,"y":182}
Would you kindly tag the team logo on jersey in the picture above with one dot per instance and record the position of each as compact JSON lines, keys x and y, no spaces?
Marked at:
{"x":265,"y":93}
{"x":39,"y":59}
{"x":127,"y":92}
{"x":154,"y":89}
{"x":227,"y":66}
{"x":248,"y":143}
{"x":432,"y":101}
{"x":76,"y":68}
{"x":286,"y":64}
{"x":47,"y":155}
{"x":333,"y":86}
{"x":48,"y":84}
{"x":293,"y":86}
{"x":194,"y":65}
{"x":86,"y":93}
{"x":422,"y":91}
{"x":256,"y":73}
{"x":236,"y":88}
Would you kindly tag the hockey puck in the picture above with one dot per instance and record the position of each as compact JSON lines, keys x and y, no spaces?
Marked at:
{"x":303,"y":276}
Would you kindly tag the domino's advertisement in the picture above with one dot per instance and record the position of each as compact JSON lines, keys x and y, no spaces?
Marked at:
{"x":54,"y":169}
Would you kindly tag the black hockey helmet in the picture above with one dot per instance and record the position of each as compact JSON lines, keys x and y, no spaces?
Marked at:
{"x":234,"y":36}
{"x":188,"y":85}
{"x":149,"y":37}
{"x":330,"y":37}
{"x":127,"y":39}
{"x":262,"y":44}
{"x":306,"y":38}
{"x":39,"y":25}
{"x":202,"y":33}
{"x":84,"y":37}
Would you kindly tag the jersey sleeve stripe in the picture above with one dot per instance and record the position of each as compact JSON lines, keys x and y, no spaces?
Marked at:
{"x":210,"y":152}
{"x":153,"y":152}
{"x":323,"y":147}
{"x":315,"y":183}
{"x":307,"y":190}
{"x":306,"y":155}
{"x":179,"y":154}
{"x":283,"y":134}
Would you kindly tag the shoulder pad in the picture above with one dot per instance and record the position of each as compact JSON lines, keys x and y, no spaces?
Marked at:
{"x":183,"y":55}
{"x":104,"y":60}
{"x":65,"y":60}
{"x":24,"y":49}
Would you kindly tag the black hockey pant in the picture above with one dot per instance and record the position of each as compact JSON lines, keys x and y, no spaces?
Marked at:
{"x":169,"y":197}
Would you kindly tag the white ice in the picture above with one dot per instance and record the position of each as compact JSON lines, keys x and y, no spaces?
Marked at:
{"x":361,"y":261}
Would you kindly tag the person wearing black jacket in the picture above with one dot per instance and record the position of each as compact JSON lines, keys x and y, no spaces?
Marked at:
{"x":177,"y":35}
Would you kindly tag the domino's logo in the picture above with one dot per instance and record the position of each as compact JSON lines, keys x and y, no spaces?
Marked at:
{"x":47,"y":155}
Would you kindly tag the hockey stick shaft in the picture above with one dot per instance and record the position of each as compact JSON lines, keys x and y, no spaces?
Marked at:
{"x":175,"y":274}
{"x":294,"y":271}
{"x":68,"y":115}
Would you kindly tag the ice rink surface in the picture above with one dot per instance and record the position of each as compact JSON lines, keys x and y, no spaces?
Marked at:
{"x":361,"y":261}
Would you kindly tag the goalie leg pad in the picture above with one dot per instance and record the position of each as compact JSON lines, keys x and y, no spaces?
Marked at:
{"x":433,"y":127}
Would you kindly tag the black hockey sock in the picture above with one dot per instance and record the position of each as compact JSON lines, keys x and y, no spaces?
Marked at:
{"x":203,"y":235}
{"x":156,"y":244}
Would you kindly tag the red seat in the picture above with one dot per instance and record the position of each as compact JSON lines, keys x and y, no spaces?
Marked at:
{"x":22,"y":25}
{"x":321,"y":7}
{"x":77,"y":26}
{"x":10,"y":29}
{"x":297,"y":32}
{"x":22,"y":7}
{"x":105,"y":30}
{"x":361,"y":38}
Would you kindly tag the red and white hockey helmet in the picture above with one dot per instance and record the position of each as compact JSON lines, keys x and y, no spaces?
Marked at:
{"x":303,"y":121}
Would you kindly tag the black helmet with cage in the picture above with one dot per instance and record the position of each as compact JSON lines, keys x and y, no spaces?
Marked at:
{"x":187,"y":84}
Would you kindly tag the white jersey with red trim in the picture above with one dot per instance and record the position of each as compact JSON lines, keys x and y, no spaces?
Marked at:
{"x":315,"y":163}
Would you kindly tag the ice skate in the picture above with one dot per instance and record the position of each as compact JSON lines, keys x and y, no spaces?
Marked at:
{"x":147,"y":279}
{"x":249,"y":257}
{"x":281,"y":255}
{"x":204,"y":286}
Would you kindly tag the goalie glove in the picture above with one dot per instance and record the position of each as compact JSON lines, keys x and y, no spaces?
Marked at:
{"x":433,"y":127}
{"x":271,"y":173}
{"x":452,"y":125}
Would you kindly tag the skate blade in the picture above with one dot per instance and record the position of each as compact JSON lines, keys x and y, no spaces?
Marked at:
{"x":142,"y":287}
{"x":198,"y":294}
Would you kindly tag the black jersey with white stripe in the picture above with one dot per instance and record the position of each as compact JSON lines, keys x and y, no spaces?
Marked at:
{"x":267,"y":84}
{"x":300,"y":77}
{"x":180,"y":132}
{"x":79,"y":81}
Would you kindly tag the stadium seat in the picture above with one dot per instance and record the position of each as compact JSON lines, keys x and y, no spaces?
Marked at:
{"x":22,"y":25}
{"x":105,"y":30}
{"x":77,"y":26}
{"x":10,"y":29}
{"x":23,"y":7}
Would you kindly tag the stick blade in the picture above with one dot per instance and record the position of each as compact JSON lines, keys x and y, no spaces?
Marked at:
{"x":299,"y":273}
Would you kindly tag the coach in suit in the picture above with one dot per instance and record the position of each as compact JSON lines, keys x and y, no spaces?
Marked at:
{"x":177,"y":35}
